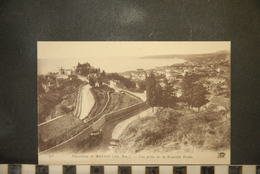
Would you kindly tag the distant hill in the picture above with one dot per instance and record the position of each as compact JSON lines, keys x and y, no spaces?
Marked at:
{"x":219,"y":57}
{"x":173,"y":56}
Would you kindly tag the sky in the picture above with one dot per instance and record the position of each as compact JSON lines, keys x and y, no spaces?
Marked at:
{"x":71,"y":50}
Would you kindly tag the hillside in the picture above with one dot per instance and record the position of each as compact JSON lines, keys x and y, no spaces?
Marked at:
{"x":174,"y":130}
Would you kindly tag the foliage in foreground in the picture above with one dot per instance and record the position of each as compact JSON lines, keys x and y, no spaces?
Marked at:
{"x":207,"y":130}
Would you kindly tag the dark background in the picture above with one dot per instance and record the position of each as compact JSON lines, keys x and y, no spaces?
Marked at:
{"x":23,"y":23}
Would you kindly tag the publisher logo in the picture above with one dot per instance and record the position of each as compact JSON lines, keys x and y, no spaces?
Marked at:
{"x":221,"y":155}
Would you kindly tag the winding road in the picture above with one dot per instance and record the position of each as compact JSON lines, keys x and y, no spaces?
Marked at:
{"x":121,"y":126}
{"x":86,"y":103}
{"x":113,"y":129}
{"x":108,"y":130}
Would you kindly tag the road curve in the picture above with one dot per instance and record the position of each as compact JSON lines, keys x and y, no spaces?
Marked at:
{"x":109,"y":127}
{"x":121,"y":126}
{"x":87,"y":102}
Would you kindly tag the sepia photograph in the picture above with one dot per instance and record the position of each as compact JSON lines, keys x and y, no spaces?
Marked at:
{"x":134,"y":102}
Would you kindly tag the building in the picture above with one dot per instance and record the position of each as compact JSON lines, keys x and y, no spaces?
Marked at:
{"x":63,"y":71}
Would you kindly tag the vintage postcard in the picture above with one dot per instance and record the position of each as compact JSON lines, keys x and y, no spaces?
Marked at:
{"x":134,"y":102}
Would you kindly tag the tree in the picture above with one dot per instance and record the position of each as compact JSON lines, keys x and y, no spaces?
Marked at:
{"x":128,"y":83}
{"x":103,"y":74}
{"x":159,"y":95}
{"x":194,"y":93}
{"x":151,"y":96}
{"x":40,"y":81}
{"x":73,"y":77}
{"x":187,"y":90}
{"x":100,"y":81}
{"x":84,"y":69}
{"x":199,"y":96}
{"x":168,"y":95}
{"x":92,"y":82}
{"x":142,"y":85}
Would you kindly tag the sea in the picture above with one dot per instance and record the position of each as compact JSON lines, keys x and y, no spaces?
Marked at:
{"x":115,"y":64}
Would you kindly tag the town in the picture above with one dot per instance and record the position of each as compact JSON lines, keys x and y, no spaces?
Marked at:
{"x":197,"y":90}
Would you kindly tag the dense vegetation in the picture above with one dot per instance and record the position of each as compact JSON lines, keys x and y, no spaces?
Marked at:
{"x":169,"y":129}
{"x":119,"y":101}
{"x":96,"y":76}
{"x":56,"y":96}
{"x":194,"y":93}
{"x":198,"y":118}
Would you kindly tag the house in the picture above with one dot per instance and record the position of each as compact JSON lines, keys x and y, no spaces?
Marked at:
{"x":63,"y":71}
{"x":168,"y":74}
